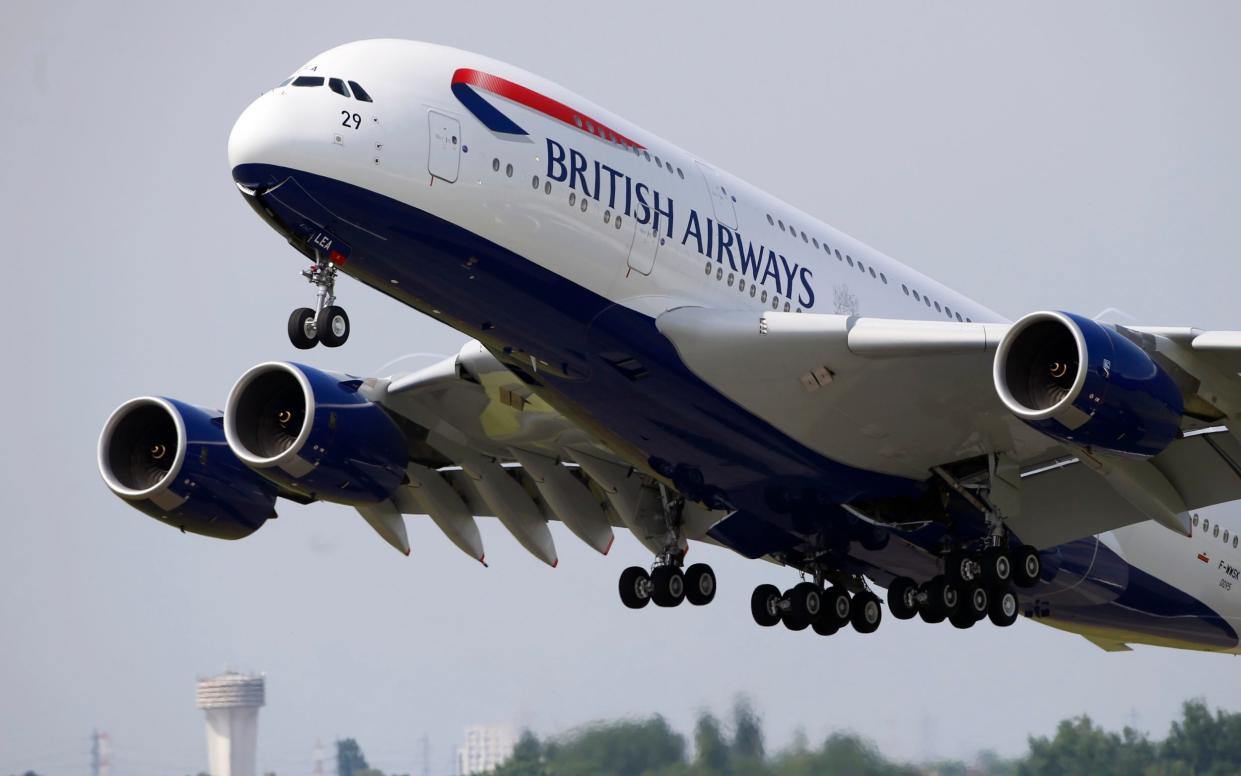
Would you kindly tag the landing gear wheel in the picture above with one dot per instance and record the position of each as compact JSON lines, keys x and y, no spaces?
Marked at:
{"x":824,"y":628}
{"x":669,"y":586}
{"x":302,"y":328}
{"x":1027,"y":566}
{"x":959,"y":568}
{"x":836,"y":606}
{"x":635,"y":587}
{"x":903,"y":598}
{"x":699,"y":584}
{"x":997,"y":567}
{"x":942,"y":598}
{"x":806,"y":602}
{"x":791,"y":619}
{"x":765,"y":605}
{"x":930,"y":616}
{"x":867,"y":613}
{"x":975,"y":602}
{"x":962,"y":619}
{"x":1003,"y":608}
{"x":335,"y":327}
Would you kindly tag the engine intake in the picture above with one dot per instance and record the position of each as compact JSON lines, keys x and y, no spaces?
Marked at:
{"x":168,"y":460}
{"x":314,"y":433}
{"x":1084,"y":382}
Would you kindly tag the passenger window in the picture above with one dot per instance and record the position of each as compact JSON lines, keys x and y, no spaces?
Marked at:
{"x":872,"y":271}
{"x":1216,"y":531}
{"x":927,"y":299}
{"x":905,"y":288}
{"x":680,"y":174}
{"x":771,"y":220}
{"x":1225,"y":537}
{"x":1206,"y":525}
{"x":849,"y":259}
{"x":1195,"y":521}
{"x":958,"y":317}
{"x":781,"y":226}
{"x":308,"y":80}
{"x":884,"y":278}
{"x":338,"y":86}
{"x":815,"y":241}
{"x":916,"y":297}
{"x":837,"y":254}
{"x":804,"y":238}
{"x":359,"y":93}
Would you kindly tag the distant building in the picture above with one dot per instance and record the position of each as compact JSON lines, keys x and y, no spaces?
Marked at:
{"x":486,"y":748}
{"x":231,"y":702}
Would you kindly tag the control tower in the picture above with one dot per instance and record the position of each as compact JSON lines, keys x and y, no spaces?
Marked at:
{"x":232,"y":702}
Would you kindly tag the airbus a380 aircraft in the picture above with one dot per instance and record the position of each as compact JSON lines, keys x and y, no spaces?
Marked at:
{"x":662,"y":347}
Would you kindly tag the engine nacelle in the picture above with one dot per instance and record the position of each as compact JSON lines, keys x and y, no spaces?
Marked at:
{"x":1086,"y":383}
{"x":312,"y":432}
{"x":168,"y":459}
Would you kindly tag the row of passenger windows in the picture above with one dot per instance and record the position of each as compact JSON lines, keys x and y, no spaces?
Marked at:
{"x":335,"y":84}
{"x":846,"y":258}
{"x":1206,"y":525}
{"x":740,"y":280}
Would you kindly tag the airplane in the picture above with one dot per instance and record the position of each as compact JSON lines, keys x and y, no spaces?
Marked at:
{"x":659,"y":346}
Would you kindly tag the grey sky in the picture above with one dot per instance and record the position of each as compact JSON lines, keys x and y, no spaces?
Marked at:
{"x":1030,"y":155}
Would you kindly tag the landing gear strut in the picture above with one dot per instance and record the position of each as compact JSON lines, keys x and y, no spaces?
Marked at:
{"x":327,"y":323}
{"x":666,"y":584}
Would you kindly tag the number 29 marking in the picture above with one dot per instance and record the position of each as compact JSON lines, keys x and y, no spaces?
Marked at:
{"x":350,"y":117}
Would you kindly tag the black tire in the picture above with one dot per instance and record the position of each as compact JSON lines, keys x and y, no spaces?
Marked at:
{"x":962,"y":619}
{"x":1004,"y":607}
{"x":335,"y":327}
{"x":903,"y":598}
{"x":764,"y":605}
{"x":975,"y":601}
{"x":930,"y":617}
{"x":669,"y":586}
{"x":299,"y":334}
{"x":866,"y":612}
{"x":837,"y":604}
{"x":943,"y":598}
{"x":823,"y":627}
{"x":997,"y":567}
{"x":806,"y":602}
{"x":791,"y":619}
{"x":635,"y":587}
{"x":1027,"y":566}
{"x":699,"y":584}
{"x":959,"y":568}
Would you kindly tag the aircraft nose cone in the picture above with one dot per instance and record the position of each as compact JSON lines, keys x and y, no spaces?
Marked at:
{"x":255,"y":138}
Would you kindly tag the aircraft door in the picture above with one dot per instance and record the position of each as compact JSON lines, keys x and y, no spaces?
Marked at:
{"x":444,"y":155}
{"x":721,"y":200}
{"x":646,"y":242}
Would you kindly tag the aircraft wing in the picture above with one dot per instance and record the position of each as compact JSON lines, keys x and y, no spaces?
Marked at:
{"x":911,"y":398}
{"x":482,"y":443}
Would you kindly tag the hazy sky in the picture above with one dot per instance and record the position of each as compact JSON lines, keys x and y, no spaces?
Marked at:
{"x":1030,"y":155}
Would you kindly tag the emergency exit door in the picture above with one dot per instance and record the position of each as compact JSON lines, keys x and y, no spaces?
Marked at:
{"x":444,"y":155}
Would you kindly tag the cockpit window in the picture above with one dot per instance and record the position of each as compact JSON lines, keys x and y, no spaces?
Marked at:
{"x":338,"y":86}
{"x":359,"y":92}
{"x":285,"y":83}
{"x":308,"y":80}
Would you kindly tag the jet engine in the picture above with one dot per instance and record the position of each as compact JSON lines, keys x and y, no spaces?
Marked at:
{"x":314,"y":433}
{"x":168,"y":459}
{"x":1086,"y":383}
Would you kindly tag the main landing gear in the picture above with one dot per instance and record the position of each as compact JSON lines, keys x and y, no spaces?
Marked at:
{"x":823,"y":607}
{"x":973,"y":587}
{"x":327,"y":323}
{"x":667,"y":584}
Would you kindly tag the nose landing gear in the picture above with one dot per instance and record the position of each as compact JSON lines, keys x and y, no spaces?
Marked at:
{"x":327,"y":323}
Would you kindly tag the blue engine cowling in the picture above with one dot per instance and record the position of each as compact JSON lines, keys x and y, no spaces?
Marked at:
{"x":313,"y":433}
{"x":169,"y":460}
{"x":1086,"y":383}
